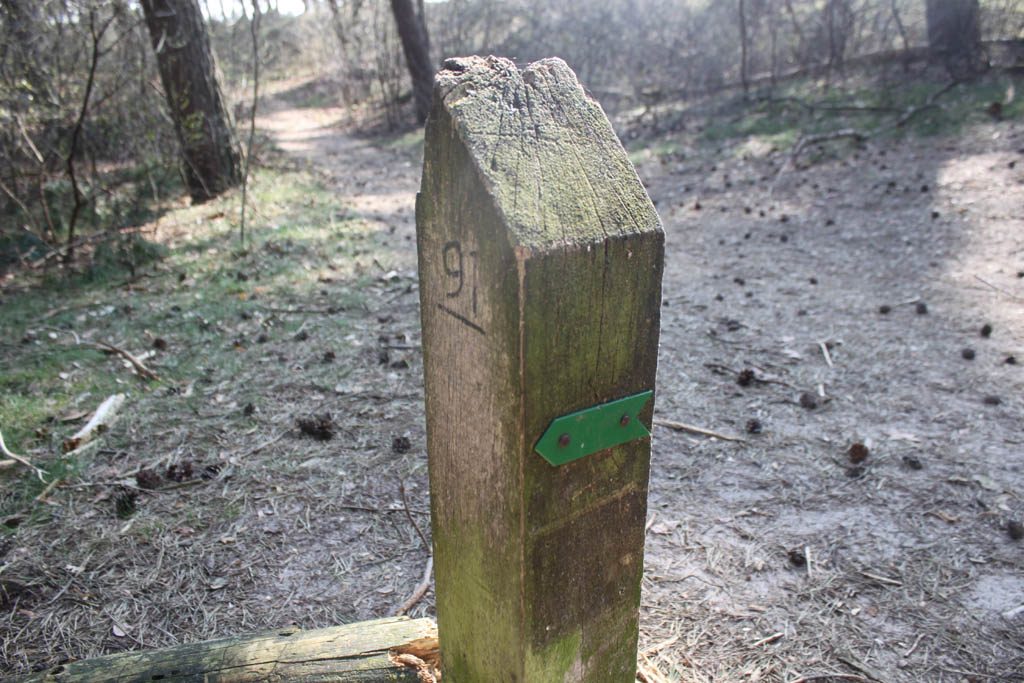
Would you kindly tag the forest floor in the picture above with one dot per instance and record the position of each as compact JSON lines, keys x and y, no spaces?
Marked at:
{"x":276,"y":472}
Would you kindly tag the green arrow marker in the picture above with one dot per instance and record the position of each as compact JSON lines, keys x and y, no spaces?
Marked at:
{"x":594,"y":429}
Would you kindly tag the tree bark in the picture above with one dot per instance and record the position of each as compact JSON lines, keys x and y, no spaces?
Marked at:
{"x":412,"y":29}
{"x":201,"y":118}
{"x":954,"y":35}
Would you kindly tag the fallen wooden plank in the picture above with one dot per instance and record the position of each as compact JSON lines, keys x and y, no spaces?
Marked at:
{"x":354,"y":653}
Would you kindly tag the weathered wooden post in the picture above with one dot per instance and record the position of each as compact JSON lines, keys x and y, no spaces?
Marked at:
{"x":540,"y":275}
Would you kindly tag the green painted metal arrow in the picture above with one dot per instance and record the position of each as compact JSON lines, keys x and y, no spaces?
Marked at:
{"x":594,"y":429}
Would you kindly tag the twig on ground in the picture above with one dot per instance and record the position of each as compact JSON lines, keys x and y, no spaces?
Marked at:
{"x":831,"y":676}
{"x":658,"y":647}
{"x":408,"y":514}
{"x":913,"y":647}
{"x":881,"y":579}
{"x":928,"y":104}
{"x":100,"y":421}
{"x":646,"y":672}
{"x":824,"y":351}
{"x":860,"y":666}
{"x":691,"y":429}
{"x":770,"y":639}
{"x":17,"y":459}
{"x":330,"y":310}
{"x":269,"y":442}
{"x":807,"y":141}
{"x":998,"y":289}
{"x":1011,"y":613}
{"x":858,"y":135}
{"x":139,"y":366}
{"x":419,"y":592}
{"x":49,"y":488}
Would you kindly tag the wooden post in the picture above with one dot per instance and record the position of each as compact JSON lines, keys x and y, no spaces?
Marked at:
{"x":540,"y":260}
{"x":355,"y":653}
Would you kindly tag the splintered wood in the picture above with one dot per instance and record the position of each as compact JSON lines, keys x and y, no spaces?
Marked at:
{"x":540,"y":259}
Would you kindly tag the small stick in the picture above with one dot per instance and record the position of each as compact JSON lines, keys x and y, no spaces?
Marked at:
{"x":998,"y":289}
{"x":822,"y":677}
{"x":860,"y":666}
{"x":419,"y":592}
{"x":15,"y":458}
{"x":807,"y":557}
{"x":405,"y":505}
{"x":824,"y":351}
{"x":690,"y":429}
{"x":49,"y":488}
{"x":770,"y":639}
{"x":139,"y":366}
{"x":881,"y":579}
{"x":269,"y":442}
{"x":648,"y":673}
{"x":655,"y":649}
{"x":1011,"y":613}
{"x":914,"y":646}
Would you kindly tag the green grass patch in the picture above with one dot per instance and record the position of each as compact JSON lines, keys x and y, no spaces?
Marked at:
{"x":798,"y":110}
{"x":203,"y":305}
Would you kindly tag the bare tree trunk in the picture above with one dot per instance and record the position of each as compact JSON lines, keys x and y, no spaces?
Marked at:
{"x":196,"y":104}
{"x":954,"y":35}
{"x":96,"y":32}
{"x":801,"y":48}
{"x":416,"y":45}
{"x":743,"y":47}
{"x":903,"y":34}
{"x":254,"y":32}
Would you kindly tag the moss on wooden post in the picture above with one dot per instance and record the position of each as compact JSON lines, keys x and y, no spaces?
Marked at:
{"x":540,"y":263}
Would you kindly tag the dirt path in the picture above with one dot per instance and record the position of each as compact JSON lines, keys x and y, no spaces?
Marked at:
{"x":852,"y":292}
{"x":836,"y":309}
{"x":376,"y":182}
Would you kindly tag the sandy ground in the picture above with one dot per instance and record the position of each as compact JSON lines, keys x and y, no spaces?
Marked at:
{"x":774,"y":558}
{"x":778,"y":557}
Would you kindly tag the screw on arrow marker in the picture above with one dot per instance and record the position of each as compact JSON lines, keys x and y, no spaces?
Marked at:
{"x":594,"y":429}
